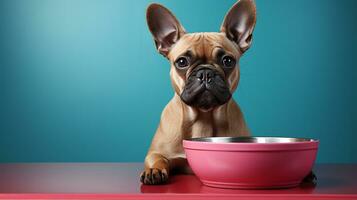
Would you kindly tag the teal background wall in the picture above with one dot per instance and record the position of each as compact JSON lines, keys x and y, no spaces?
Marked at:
{"x":81,"y":80}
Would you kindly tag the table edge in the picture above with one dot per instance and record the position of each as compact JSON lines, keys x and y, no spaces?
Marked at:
{"x":171,"y":196}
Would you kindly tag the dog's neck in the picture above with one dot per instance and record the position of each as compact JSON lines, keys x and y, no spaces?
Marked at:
{"x":200,"y":123}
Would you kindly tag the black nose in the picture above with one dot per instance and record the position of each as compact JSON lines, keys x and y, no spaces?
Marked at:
{"x":205,"y":75}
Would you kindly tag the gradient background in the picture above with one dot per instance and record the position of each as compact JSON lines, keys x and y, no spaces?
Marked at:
{"x":81,"y":80}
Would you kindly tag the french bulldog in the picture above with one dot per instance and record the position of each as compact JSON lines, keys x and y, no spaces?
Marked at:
{"x":204,"y":73}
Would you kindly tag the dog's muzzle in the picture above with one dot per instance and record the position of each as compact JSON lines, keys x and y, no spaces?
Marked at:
{"x":205,"y":88}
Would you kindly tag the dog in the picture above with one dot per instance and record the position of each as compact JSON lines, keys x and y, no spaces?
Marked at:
{"x":204,"y":74}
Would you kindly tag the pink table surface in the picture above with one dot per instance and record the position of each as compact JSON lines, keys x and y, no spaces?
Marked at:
{"x":121,"y":181}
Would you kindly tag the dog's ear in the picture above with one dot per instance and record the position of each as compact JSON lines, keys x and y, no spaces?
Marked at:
{"x":164,"y":27}
{"x":239,"y":22}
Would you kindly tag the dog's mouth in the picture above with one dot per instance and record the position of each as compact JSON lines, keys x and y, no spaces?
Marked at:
{"x":205,"y":89}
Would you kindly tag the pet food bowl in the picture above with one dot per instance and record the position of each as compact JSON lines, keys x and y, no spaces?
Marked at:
{"x":251,"y":162}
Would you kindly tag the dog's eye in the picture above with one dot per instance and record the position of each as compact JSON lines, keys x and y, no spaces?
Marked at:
{"x":228,"y":61}
{"x":182,"y":62}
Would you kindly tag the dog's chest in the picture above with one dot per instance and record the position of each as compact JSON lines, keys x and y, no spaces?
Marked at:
{"x":202,"y":129}
{"x":203,"y":126}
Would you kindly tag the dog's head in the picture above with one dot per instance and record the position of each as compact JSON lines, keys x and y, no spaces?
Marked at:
{"x":204,"y":66}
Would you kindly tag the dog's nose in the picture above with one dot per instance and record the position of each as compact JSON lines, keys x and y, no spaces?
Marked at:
{"x":205,"y":75}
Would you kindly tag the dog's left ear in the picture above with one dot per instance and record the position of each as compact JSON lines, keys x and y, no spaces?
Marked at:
{"x":164,"y":27}
{"x":239,"y":22}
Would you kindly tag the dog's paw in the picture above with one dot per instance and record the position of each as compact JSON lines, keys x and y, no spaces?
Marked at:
{"x":310,"y":178}
{"x":154,"y":176}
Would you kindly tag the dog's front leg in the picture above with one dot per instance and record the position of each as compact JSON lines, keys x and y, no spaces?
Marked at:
{"x":156,"y":169}
{"x":310,"y":178}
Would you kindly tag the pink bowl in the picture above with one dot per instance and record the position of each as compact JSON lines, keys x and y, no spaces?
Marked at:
{"x":251,"y":162}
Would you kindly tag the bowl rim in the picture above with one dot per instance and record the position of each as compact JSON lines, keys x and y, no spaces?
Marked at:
{"x":196,"y":144}
{"x":252,"y":140}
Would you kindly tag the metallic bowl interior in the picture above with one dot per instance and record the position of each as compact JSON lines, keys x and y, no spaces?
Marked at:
{"x":251,"y":139}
